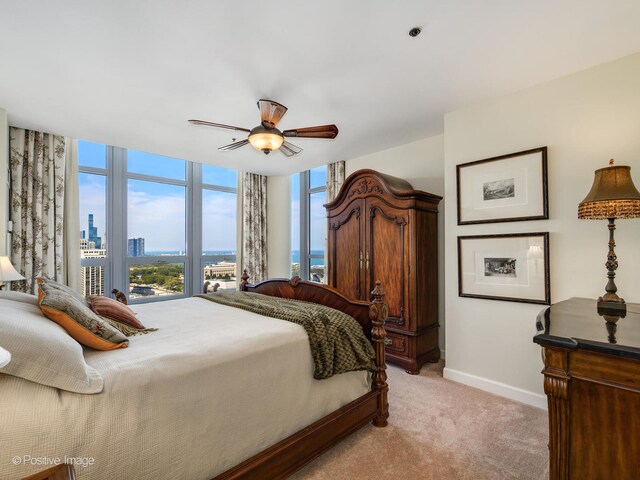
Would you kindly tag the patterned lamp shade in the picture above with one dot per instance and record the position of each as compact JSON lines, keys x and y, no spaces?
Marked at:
{"x":612,"y":195}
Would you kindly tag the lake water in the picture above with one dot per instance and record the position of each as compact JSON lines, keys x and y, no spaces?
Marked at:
{"x":228,"y":255}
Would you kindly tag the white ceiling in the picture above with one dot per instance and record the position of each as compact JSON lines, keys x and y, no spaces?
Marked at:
{"x":131,"y":72}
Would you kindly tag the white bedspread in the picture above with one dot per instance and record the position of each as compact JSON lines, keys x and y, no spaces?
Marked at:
{"x":213,"y":386}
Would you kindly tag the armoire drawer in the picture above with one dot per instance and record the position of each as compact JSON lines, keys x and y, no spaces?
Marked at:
{"x":396,"y":343}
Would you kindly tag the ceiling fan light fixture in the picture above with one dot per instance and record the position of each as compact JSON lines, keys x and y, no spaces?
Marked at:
{"x":266,"y":139}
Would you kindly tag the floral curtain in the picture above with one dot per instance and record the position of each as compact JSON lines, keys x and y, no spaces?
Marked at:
{"x":254,"y":229}
{"x":37,"y":162}
{"x":71,"y":253}
{"x":335,"y":179}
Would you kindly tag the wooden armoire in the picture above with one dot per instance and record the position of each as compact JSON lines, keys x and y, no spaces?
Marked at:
{"x":380,"y":228}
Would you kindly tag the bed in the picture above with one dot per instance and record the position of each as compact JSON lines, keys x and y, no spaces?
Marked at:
{"x":219,"y":393}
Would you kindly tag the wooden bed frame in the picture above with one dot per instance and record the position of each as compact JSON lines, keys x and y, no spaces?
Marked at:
{"x":285,"y":457}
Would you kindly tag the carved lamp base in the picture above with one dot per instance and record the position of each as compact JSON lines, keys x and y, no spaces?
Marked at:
{"x":609,"y":306}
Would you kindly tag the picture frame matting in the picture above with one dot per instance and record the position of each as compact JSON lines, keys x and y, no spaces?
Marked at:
{"x":512,"y":267}
{"x":506,"y":188}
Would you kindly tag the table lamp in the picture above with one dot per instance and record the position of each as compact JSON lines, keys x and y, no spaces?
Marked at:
{"x":7,"y":272}
{"x":612,"y":195}
{"x":5,"y":357}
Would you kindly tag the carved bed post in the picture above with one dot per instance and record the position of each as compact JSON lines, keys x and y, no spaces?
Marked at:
{"x":245,"y":281}
{"x":378,"y":311}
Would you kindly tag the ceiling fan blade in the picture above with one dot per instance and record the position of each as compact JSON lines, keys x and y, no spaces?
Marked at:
{"x":219,"y":125}
{"x":233,"y":146}
{"x":289,"y":149}
{"x":270,"y":112}
{"x":321,"y":131}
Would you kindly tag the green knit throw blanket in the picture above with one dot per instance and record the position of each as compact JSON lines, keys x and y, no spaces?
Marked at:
{"x":337,"y":341}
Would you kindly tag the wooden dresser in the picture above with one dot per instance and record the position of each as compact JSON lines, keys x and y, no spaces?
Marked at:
{"x":592,"y":383}
{"x":382,"y":229}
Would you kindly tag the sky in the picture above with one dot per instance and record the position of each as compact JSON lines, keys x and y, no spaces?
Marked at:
{"x":318,"y":177}
{"x":156,"y":211}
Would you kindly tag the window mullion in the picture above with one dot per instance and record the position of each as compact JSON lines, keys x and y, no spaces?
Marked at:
{"x":194,"y":225}
{"x":216,"y":188}
{"x":304,"y":225}
{"x":117,"y":225}
{"x":151,"y":178}
{"x":93,"y":170}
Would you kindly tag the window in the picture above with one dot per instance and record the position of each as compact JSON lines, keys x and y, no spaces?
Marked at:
{"x":92,"y":180}
{"x":219,"y":207}
{"x":309,"y":224}
{"x":151,"y":207}
{"x":156,"y":225}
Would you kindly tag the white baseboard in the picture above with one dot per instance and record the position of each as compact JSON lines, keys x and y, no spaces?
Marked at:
{"x":497,"y":388}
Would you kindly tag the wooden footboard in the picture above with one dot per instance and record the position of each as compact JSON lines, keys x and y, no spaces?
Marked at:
{"x":292,"y":453}
{"x":285,"y":457}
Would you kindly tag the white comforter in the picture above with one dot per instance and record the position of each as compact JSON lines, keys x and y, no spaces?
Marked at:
{"x":213,"y":386}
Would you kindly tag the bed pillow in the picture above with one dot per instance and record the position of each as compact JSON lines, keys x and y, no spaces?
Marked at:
{"x":119,"y":316}
{"x":78,"y":319}
{"x":18,"y":297}
{"x":110,"y":308}
{"x":42,"y":352}
{"x":68,"y":290}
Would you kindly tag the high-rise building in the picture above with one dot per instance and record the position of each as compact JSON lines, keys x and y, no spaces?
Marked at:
{"x":135,"y":247}
{"x":92,"y":277}
{"x":93,"y":233}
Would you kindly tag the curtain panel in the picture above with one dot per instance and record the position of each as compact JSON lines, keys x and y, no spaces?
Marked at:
{"x":71,"y":241}
{"x":254,"y":226}
{"x":37,"y":162}
{"x":335,"y":179}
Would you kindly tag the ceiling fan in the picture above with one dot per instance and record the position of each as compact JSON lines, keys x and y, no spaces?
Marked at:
{"x":266,"y":137}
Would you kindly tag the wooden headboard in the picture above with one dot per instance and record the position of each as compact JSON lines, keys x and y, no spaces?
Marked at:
{"x":299,"y":289}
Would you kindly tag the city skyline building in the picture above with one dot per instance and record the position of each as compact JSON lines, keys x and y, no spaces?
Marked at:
{"x":135,"y":247}
{"x":220,"y":269}
{"x":92,"y":277}
{"x":93,"y":233}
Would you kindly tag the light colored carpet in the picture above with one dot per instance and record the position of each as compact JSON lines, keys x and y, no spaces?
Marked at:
{"x":441,"y":430}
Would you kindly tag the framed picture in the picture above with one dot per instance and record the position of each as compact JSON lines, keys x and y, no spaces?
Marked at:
{"x":508,"y":188}
{"x":513,"y":267}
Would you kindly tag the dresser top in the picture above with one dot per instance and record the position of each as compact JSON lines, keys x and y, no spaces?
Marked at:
{"x":576,"y":324}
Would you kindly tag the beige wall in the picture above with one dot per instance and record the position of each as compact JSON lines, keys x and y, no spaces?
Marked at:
{"x":279,"y":226}
{"x":4,"y":179}
{"x":421,"y":163}
{"x":584,"y":119}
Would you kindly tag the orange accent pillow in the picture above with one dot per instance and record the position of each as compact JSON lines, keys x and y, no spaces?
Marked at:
{"x":78,"y":319}
{"x":115,"y":310}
